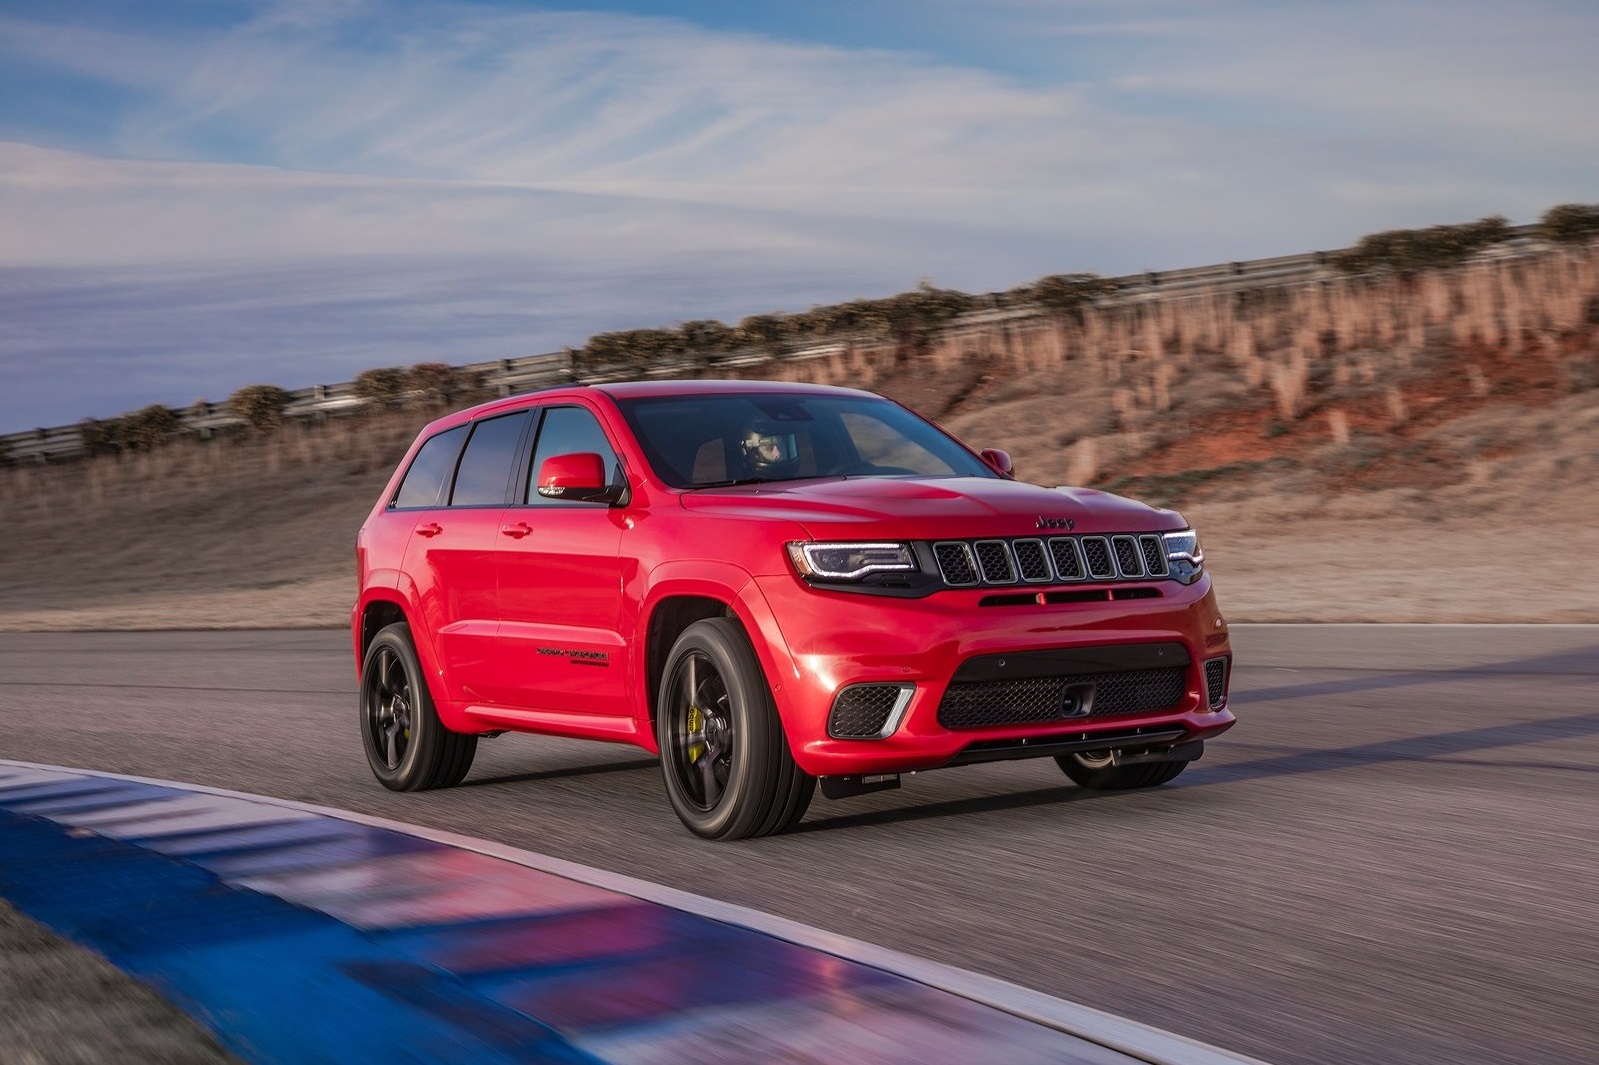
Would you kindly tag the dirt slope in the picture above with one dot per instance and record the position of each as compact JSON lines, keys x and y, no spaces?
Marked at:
{"x":1422,"y":450}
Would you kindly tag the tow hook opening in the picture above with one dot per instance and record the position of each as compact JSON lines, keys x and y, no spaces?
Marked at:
{"x":1182,"y":752}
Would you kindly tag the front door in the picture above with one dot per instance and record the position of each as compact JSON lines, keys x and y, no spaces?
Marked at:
{"x":560,"y":586}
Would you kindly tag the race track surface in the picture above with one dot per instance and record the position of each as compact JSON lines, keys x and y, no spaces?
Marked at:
{"x":1391,"y":858}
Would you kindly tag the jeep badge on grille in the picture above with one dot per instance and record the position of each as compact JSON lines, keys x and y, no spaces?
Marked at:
{"x":1055,"y":523}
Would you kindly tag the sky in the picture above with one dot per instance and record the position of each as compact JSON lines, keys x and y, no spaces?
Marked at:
{"x":197,"y":195}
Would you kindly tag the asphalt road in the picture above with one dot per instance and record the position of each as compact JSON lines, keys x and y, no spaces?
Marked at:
{"x":1392,"y":858}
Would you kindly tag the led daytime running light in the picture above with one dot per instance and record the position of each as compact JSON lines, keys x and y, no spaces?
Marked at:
{"x":850,"y":561}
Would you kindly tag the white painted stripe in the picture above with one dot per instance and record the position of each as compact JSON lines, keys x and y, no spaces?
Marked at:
{"x":171,"y":817}
{"x":12,"y":777}
{"x":1140,"y":1041}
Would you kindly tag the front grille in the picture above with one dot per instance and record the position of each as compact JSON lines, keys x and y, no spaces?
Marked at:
{"x":1097,"y":550}
{"x":993,"y":562}
{"x":1032,"y":562}
{"x":1035,"y":700}
{"x":861,"y":711}
{"x":955,"y":563}
{"x":1124,"y":557}
{"x":1067,"y":555}
{"x":1216,"y":682}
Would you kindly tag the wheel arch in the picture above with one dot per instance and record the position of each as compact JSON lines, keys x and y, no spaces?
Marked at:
{"x":376,"y":615}
{"x":667,"y":619}
{"x":674,"y":605}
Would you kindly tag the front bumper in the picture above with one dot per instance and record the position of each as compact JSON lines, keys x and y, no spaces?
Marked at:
{"x":831,"y":640}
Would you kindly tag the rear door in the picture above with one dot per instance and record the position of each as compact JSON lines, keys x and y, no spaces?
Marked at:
{"x":452,"y":556}
{"x":560,"y":584}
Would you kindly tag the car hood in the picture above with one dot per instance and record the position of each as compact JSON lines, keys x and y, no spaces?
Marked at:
{"x":926,"y":508}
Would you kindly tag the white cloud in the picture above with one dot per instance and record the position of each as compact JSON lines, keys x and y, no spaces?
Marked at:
{"x":684,"y":161}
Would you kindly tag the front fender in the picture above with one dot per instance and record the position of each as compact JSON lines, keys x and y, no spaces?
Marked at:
{"x":735,"y":588}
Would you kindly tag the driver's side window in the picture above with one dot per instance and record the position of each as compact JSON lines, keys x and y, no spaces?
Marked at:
{"x":566,"y":431}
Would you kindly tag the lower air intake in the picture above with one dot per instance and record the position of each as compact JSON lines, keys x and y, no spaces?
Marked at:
{"x":863,"y":711}
{"x":1216,"y":682}
{"x":1036,"y":700}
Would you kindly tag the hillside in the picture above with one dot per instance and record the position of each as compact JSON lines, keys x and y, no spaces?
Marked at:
{"x":1350,"y":450}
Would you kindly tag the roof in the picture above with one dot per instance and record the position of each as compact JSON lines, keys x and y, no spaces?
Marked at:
{"x":666,"y":387}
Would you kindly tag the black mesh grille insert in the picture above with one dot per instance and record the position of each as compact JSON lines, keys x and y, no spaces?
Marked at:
{"x":1128,"y":558}
{"x":1216,"y":681}
{"x":1097,"y":550}
{"x":1154,"y":550}
{"x":1068,"y":563}
{"x":1031,"y":560}
{"x":955,"y":563}
{"x":993,"y":562}
{"x":1034,"y":700}
{"x":861,"y":711}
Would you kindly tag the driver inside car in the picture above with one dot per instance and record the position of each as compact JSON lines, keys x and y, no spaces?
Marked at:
{"x":770,"y":452}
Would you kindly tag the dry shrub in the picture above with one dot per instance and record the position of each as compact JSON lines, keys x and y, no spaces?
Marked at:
{"x":1288,"y":384}
{"x":1123,"y":402}
{"x":1084,"y":466}
{"x":1477,"y":380}
{"x":1161,"y":387}
{"x":1398,"y":411}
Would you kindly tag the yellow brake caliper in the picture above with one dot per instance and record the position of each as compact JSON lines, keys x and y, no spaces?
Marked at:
{"x":696,"y":725}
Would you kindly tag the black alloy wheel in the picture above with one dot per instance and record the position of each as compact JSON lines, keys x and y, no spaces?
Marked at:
{"x":406,"y":744}
{"x":724,"y":756}
{"x":387,"y":700}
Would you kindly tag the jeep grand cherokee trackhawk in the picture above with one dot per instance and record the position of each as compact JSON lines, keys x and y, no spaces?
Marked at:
{"x":771,"y":585}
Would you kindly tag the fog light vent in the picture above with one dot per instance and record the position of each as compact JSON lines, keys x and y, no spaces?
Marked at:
{"x":1216,"y":682}
{"x":868,"y":711}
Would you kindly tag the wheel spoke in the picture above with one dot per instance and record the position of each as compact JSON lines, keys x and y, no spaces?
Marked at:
{"x":708,"y":779}
{"x":394,"y":677}
{"x":388,"y":707}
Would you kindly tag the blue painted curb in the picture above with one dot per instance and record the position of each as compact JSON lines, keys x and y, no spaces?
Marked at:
{"x":301,"y":936}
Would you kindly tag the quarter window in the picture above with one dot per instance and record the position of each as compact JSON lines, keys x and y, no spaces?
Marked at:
{"x":430,"y":471}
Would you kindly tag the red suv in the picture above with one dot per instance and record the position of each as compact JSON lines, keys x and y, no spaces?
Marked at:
{"x":771,"y":585}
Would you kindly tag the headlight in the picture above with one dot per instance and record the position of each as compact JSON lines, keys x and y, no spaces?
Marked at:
{"x":1183,"y":555}
{"x":849,"y":562}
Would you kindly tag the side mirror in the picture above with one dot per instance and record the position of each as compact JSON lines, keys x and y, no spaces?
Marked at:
{"x":997,"y":459}
{"x":579,"y":477}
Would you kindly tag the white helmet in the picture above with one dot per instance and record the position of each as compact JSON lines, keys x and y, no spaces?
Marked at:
{"x":770,"y":451}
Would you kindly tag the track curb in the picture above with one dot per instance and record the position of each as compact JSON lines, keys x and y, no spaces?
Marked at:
{"x":1097,"y":1031}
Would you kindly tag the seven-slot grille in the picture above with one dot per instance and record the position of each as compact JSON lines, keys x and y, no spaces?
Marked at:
{"x":1034,"y":700}
{"x":1029,"y":560}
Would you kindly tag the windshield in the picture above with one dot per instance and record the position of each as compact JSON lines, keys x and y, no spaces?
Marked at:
{"x":716,"y":440}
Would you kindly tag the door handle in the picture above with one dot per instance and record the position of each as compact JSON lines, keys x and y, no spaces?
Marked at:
{"x":516,"y":531}
{"x":432,"y":528}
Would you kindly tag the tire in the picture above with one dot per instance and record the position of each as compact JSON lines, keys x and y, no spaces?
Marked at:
{"x":724,"y":757}
{"x":406,"y":744}
{"x":1093,"y":769}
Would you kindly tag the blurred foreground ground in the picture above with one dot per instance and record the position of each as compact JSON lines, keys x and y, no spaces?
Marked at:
{"x":60,"y":1005}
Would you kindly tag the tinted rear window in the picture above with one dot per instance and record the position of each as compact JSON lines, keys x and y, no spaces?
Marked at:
{"x":430,"y":471}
